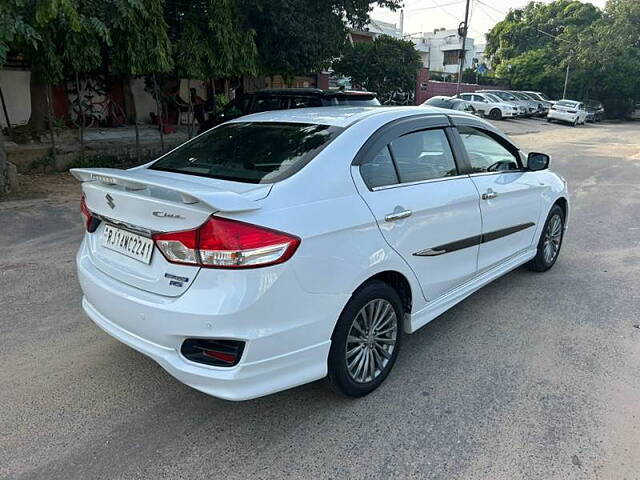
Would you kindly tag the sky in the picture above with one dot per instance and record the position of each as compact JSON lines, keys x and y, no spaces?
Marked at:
{"x":426,"y":15}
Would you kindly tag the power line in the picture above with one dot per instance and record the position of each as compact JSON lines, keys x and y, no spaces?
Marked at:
{"x":491,"y":7}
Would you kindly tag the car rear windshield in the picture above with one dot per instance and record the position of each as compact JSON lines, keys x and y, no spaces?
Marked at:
{"x":250,"y":152}
{"x":564,"y":103}
{"x":439,"y":102}
{"x":355,"y":101}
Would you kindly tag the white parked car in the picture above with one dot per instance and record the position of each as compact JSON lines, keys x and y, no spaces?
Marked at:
{"x":286,"y":246}
{"x":490,"y":106}
{"x":569,"y":111}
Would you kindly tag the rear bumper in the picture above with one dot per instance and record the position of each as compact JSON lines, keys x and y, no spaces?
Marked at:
{"x":287,"y":330}
{"x":562,"y":116}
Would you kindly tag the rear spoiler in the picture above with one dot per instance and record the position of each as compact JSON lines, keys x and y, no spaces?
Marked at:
{"x":190,"y":192}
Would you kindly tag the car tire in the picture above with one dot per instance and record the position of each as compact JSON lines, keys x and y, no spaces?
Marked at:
{"x":548,"y":120}
{"x":575,"y":123}
{"x":356,"y":368}
{"x":495,"y":114}
{"x":550,"y":241}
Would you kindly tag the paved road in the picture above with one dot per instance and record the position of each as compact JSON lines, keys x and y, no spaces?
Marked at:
{"x":535,"y":377}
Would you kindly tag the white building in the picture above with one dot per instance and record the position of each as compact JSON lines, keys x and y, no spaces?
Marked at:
{"x":440,"y":50}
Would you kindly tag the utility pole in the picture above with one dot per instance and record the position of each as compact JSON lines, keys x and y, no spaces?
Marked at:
{"x":566,"y":77}
{"x":462,"y":31}
{"x":401,"y":26}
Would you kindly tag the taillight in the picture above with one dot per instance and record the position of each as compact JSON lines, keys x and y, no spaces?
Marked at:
{"x":90,"y":222}
{"x":224,"y":243}
{"x":553,"y":108}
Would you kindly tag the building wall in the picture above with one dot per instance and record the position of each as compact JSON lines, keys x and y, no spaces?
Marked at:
{"x":15,"y":88}
{"x":433,"y":45}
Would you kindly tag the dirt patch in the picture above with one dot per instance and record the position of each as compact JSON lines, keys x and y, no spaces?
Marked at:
{"x":44,"y":185}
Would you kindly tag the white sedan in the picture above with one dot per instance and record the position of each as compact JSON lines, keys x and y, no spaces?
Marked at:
{"x":568,"y":111}
{"x":283,"y":247}
{"x":490,"y":106}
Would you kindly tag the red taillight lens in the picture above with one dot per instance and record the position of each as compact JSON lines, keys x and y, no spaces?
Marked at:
{"x":90,"y":222}
{"x":224,"y":243}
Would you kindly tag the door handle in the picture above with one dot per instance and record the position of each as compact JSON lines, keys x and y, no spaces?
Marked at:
{"x":489,"y":195}
{"x":398,"y":215}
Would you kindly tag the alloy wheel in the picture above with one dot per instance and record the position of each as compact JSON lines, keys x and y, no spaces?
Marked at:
{"x":371,"y":340}
{"x":552,"y":238}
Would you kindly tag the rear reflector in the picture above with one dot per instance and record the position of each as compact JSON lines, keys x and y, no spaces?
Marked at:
{"x":224,"y":243}
{"x":220,"y":353}
{"x":90,"y":222}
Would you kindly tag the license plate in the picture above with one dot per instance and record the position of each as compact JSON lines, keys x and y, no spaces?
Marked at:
{"x":127,"y":243}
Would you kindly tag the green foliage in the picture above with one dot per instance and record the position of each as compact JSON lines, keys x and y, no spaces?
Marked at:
{"x":384,"y":66}
{"x":602,"y":49}
{"x":303,"y":36}
{"x":211,"y":39}
{"x":54,"y":36}
{"x":140,"y":42}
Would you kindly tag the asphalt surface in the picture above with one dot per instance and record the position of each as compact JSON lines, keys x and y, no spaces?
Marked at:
{"x":536,"y":376}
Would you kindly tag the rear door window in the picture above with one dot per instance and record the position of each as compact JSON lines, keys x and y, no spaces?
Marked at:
{"x":379,"y":171}
{"x":251,"y":152}
{"x":424,"y":155}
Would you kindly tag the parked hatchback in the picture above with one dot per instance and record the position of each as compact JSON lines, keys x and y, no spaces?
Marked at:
{"x":289,"y":98}
{"x":284,"y":247}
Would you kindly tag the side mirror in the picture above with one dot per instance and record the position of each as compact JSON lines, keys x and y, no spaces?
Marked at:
{"x":537,"y":161}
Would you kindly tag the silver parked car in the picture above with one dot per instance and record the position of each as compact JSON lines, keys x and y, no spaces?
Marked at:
{"x":509,"y":97}
{"x":541,"y":108}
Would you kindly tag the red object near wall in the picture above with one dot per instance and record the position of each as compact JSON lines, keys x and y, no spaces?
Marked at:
{"x":60,"y":102}
{"x":422,"y":85}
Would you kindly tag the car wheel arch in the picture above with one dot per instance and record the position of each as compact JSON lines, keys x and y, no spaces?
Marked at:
{"x":409,"y":294}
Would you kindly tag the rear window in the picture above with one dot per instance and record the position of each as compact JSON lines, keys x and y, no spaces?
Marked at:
{"x":251,"y":152}
{"x":355,"y":101}
{"x":439,"y":102}
{"x":563,"y":103}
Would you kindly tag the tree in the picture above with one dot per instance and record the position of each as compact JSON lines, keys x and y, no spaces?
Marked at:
{"x":54,"y":37}
{"x":523,"y":49}
{"x":385,"y":65}
{"x":602,"y":49}
{"x":12,"y":26}
{"x":614,"y":40}
{"x":211,"y":39}
{"x":303,"y":36}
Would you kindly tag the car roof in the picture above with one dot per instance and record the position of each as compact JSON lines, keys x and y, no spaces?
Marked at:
{"x":340,"y":116}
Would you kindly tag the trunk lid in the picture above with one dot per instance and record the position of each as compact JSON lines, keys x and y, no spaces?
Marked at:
{"x":141,"y":202}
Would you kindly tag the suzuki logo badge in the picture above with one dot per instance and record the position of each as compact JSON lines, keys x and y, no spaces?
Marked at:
{"x":110,"y":201}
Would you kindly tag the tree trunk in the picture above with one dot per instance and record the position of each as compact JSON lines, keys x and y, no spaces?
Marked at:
{"x":50,"y":118}
{"x":131,"y":111}
{"x":190,"y":111}
{"x":80,"y":91}
{"x":159,"y":109}
{"x":4,"y":166}
{"x":129,"y":101}
{"x":38,"y":92}
{"x":6,"y":114}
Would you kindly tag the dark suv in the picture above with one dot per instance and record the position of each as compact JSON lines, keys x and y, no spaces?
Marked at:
{"x":286,"y":98}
